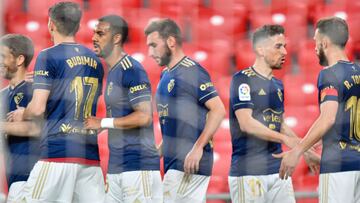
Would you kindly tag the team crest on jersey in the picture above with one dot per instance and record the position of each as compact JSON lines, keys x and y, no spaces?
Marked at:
{"x":109,"y":88}
{"x":279,"y":93}
{"x":171,"y":85}
{"x":244,"y":92}
{"x":18,"y":98}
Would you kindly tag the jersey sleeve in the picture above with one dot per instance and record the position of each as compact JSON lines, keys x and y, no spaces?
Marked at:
{"x":199,"y":84}
{"x":240,"y":93}
{"x":44,"y":72}
{"x":136,"y":81}
{"x":327,"y":86}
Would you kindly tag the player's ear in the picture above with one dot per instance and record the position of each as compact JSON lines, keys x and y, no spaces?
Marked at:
{"x":117,"y":38}
{"x":20,"y":60}
{"x":51,"y":25}
{"x":325,"y":42}
{"x":259,"y":50}
{"x":171,"y":42}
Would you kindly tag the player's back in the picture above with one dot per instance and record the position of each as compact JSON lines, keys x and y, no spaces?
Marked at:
{"x":341,"y":144}
{"x":73,"y":75}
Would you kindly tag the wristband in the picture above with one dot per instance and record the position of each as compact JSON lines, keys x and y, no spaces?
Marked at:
{"x":107,"y":123}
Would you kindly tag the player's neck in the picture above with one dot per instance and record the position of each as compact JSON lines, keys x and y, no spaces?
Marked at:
{"x":177,"y":56}
{"x":58,"y":39}
{"x":263,"y":69}
{"x":18,"y":78}
{"x":115,"y":56}
{"x":336,"y":55}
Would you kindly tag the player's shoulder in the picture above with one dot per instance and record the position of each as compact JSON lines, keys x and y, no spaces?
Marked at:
{"x":128,"y":63}
{"x":189,"y":66}
{"x":246,"y":73}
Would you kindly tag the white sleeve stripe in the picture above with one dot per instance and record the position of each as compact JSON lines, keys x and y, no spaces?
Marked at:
{"x":207,"y":95}
{"x":140,"y":97}
{"x":243,"y":104}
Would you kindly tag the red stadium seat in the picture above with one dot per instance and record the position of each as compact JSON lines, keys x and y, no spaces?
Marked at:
{"x":31,"y":26}
{"x":222,"y":160}
{"x":245,"y":55}
{"x":105,"y":6}
{"x":300,"y":89}
{"x":300,"y":118}
{"x":221,"y":25}
{"x":307,"y":59}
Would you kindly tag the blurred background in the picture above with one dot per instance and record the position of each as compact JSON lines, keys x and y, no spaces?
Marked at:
{"x":217,"y":35}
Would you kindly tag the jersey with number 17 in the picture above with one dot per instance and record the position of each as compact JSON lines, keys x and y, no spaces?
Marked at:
{"x":73,"y":74}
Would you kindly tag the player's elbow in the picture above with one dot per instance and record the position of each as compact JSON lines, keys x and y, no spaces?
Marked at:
{"x":244,"y":128}
{"x":146,"y":120}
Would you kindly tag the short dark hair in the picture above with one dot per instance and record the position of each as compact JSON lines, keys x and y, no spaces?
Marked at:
{"x":19,"y":45}
{"x":266,"y":31}
{"x":166,"y":28}
{"x":117,"y":26}
{"x":66,"y":17}
{"x":335,"y":28}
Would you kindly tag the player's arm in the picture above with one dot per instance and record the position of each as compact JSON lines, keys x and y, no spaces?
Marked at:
{"x":322,"y":124}
{"x":36,"y":107}
{"x":251,"y":126}
{"x":214,"y":118}
{"x":21,"y":129}
{"x":140,"y":117}
{"x":311,"y":157}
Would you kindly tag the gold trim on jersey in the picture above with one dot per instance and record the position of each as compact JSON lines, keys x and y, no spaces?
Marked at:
{"x":249,"y":72}
{"x":187,"y":62}
{"x":40,"y":182}
{"x":126,"y":63}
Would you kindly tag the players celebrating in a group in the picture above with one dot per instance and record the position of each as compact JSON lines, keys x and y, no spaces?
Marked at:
{"x":338,"y":123}
{"x":134,"y":163}
{"x":16,"y":53}
{"x":190,"y":111}
{"x":67,"y":84}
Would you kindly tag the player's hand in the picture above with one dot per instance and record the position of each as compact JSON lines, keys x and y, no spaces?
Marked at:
{"x":291,"y":141}
{"x":312,"y":159}
{"x":289,"y":161}
{"x":192,"y":160}
{"x":92,"y":123}
{"x":17,"y":115}
{"x":29,"y":76}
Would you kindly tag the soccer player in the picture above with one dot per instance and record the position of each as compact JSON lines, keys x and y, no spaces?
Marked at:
{"x":338,"y":123}
{"x":16,"y":53}
{"x":67,"y":84}
{"x":257,"y":125}
{"x":190,"y":111}
{"x":134,"y":163}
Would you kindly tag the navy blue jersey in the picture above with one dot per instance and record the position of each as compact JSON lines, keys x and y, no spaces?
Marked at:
{"x":130,"y":149}
{"x":23,"y":151}
{"x":252,"y":155}
{"x":73,"y":74}
{"x":341,"y":144}
{"x":181,"y":97}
